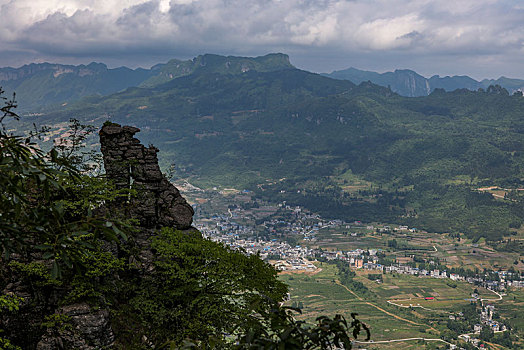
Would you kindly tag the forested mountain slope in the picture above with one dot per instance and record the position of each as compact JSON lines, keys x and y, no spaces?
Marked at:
{"x":39,"y":85}
{"x":354,"y":152}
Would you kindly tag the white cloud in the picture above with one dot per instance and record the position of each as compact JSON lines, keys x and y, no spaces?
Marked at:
{"x":132,"y":29}
{"x":389,"y":33}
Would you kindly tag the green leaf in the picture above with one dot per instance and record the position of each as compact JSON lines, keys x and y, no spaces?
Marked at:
{"x":120,"y":232}
{"x":55,"y":270}
{"x":47,"y":255}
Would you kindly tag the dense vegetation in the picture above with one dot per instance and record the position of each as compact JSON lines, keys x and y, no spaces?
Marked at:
{"x":61,"y":247}
{"x":352,"y":152}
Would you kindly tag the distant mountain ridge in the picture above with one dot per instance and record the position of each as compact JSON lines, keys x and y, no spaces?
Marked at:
{"x":38,"y":85}
{"x":409,"y":83}
{"x":42,"y":84}
{"x":216,"y":64}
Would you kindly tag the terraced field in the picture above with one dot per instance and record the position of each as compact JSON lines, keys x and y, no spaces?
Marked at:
{"x":322,"y":294}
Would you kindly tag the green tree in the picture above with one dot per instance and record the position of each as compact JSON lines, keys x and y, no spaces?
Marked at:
{"x":280,"y":330}
{"x":200,"y":289}
{"x":37,"y":191}
{"x":486,"y":333}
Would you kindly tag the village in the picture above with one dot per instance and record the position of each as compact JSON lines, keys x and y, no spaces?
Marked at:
{"x":254,"y":239}
{"x":289,"y":237}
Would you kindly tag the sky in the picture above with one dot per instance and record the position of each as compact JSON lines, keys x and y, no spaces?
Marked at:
{"x":479,"y":38}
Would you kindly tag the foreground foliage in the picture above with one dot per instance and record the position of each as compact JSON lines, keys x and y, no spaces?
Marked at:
{"x":37,"y":192}
{"x":197,"y":289}
{"x":60,"y":246}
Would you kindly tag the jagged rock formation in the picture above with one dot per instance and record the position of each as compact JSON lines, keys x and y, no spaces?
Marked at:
{"x":131,"y":165}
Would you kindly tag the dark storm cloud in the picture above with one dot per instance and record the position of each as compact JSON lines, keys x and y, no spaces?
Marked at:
{"x":471,"y":37}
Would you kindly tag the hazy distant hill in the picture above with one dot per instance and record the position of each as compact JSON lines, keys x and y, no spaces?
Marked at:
{"x":39,"y":85}
{"x":353,"y":152}
{"x":44,"y":84}
{"x":409,"y":83}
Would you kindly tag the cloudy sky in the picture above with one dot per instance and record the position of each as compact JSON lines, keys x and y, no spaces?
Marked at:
{"x":480,"y":38}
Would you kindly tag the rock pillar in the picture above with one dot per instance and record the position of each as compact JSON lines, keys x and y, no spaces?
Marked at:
{"x":131,"y":165}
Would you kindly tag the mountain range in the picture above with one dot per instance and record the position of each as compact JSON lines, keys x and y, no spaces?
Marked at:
{"x":43,"y":84}
{"x":357,"y":152}
{"x":39,"y":85}
{"x":406,"y":82}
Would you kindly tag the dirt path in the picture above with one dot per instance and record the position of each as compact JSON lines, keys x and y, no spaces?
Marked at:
{"x":393,"y":302}
{"x":381,"y":309}
{"x":401,"y":340}
{"x":349,"y":290}
{"x":495,"y":346}
{"x":488,"y":299}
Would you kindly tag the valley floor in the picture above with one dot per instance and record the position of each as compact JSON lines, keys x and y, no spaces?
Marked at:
{"x":400,"y":307}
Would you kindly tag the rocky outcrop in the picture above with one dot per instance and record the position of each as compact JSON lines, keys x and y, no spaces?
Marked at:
{"x":73,"y":326}
{"x":86,"y":328}
{"x":131,"y":165}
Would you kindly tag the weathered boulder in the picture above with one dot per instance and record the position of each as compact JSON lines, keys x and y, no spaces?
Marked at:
{"x":87,"y":328}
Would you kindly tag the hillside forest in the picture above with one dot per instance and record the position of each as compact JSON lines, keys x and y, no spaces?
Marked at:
{"x":345,"y":151}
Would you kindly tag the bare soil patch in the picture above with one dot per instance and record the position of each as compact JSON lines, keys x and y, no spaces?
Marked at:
{"x":305,"y":272}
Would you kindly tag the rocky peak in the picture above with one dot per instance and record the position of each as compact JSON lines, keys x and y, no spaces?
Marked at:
{"x":131,"y":165}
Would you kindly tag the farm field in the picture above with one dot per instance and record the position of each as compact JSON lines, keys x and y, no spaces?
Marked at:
{"x":398,"y":286}
{"x":321,"y":294}
{"x":511,"y":310}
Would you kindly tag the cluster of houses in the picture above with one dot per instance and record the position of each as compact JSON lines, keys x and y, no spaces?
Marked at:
{"x":297,"y":258}
{"x":479,"y":280}
{"x":283,"y":256}
{"x":301,"y":223}
{"x":470,"y":339}
{"x":367,"y":259}
{"x":226,"y":229}
{"x":231,"y":233}
{"x":486,"y":320}
{"x":296,"y":264}
{"x":298,"y":222}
